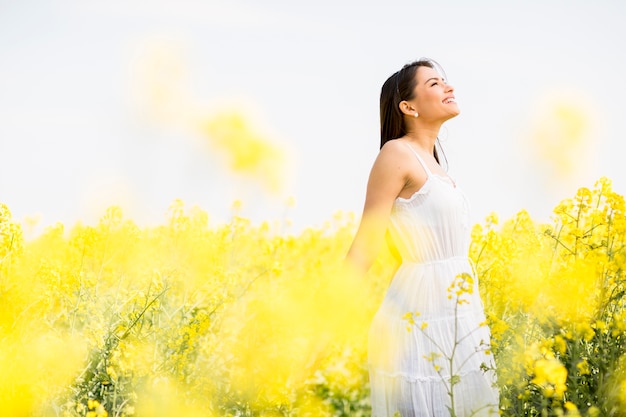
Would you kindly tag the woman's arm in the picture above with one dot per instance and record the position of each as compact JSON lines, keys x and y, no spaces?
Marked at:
{"x":388,"y":177}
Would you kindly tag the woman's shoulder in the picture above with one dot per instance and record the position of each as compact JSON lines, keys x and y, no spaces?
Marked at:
{"x":394,"y":144}
{"x":395,"y":156}
{"x":394,"y":149}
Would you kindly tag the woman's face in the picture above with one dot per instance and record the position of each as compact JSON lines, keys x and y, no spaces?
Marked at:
{"x":433,"y":98}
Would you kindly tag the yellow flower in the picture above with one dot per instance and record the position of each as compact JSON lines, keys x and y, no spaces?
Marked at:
{"x":571,"y":409}
{"x":593,"y":411}
{"x":111,"y":372}
{"x":583,"y":367}
{"x":550,"y":374}
{"x":247,"y":151}
{"x":570,"y":406}
{"x":560,"y":344}
{"x":586,"y":331}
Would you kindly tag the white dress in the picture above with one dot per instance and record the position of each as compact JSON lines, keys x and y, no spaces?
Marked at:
{"x":410,"y":354}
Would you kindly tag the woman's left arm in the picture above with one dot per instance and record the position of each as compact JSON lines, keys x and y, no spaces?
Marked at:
{"x":387,"y":179}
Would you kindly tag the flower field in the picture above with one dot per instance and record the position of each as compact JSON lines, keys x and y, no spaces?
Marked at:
{"x":194,"y":319}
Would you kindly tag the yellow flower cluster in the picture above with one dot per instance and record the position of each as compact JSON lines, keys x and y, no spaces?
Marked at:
{"x":461,"y":284}
{"x":548,"y":372}
{"x":185,"y":318}
{"x":554,"y":300}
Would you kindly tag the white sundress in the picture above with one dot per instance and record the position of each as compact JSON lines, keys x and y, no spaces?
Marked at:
{"x":410,"y":373}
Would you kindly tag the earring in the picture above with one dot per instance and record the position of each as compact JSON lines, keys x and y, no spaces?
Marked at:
{"x":415,"y":115}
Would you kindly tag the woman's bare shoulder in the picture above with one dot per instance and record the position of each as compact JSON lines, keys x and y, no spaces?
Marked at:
{"x":394,"y":152}
{"x":394,"y":145}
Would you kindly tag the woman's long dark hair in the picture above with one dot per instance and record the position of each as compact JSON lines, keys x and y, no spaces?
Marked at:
{"x":400,"y":86}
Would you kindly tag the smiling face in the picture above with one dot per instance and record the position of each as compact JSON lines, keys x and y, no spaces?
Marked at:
{"x":433,"y":98}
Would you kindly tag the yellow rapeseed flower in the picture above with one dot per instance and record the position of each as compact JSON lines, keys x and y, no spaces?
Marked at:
{"x":583,"y":367}
{"x":550,"y":375}
{"x":247,"y":151}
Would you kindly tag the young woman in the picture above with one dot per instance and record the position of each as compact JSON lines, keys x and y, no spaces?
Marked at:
{"x":428,"y":344}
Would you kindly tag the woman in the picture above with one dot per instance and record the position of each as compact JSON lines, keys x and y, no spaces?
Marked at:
{"x":428,"y":345}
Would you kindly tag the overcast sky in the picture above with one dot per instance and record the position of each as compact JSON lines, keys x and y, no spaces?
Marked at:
{"x":77,"y":133}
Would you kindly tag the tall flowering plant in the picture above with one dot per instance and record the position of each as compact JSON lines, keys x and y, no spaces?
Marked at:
{"x":554,"y":297}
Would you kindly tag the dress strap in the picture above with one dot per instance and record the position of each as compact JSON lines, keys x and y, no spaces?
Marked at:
{"x":419,"y":158}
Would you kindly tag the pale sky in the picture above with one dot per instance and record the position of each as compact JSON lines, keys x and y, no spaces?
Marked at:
{"x":74,"y":138}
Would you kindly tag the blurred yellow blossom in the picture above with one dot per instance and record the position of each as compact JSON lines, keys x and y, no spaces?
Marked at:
{"x":550,"y":375}
{"x":560,"y":135}
{"x":247,"y":152}
{"x":583,"y":367}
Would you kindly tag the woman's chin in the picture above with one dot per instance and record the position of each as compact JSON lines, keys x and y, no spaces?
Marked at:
{"x":453,"y":114}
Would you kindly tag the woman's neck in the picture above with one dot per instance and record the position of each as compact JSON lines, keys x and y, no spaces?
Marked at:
{"x":423,"y":137}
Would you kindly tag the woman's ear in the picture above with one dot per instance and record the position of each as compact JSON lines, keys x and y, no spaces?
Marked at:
{"x":407,"y":108}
